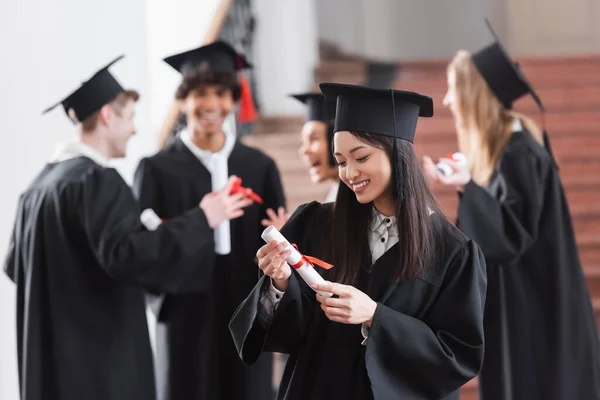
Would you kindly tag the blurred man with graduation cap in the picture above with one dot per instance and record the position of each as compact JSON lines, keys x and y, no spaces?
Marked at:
{"x":540,"y":328}
{"x":79,"y":255}
{"x":196,"y":354}
{"x":407,"y":318}
{"x":317,"y":141}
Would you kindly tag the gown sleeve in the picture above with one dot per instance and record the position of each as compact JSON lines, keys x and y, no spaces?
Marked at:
{"x":158,"y":259}
{"x":432,"y":357}
{"x":505,"y":224}
{"x":293,"y":313}
{"x":11,"y":260}
{"x":144,"y":186}
{"x":145,"y":190}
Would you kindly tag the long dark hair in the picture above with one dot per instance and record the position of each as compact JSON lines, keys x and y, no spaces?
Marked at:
{"x":349,"y":226}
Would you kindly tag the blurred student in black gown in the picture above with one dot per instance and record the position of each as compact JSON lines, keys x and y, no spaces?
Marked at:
{"x":197,"y":357}
{"x":540,"y":330}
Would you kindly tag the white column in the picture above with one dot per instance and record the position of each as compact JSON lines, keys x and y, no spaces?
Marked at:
{"x":286,"y":52}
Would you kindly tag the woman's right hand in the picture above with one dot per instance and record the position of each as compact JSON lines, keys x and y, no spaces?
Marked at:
{"x":271,"y":260}
{"x":222,"y":206}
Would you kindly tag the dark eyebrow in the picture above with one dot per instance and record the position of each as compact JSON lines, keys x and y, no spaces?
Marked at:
{"x":351,"y":151}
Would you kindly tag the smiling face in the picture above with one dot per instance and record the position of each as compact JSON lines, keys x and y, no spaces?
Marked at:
{"x":364,"y":168}
{"x":206,"y":108}
{"x":314,"y":151}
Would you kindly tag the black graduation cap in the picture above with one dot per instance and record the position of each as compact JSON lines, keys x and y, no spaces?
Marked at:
{"x":502,"y":74}
{"x":320,"y":109}
{"x":219,"y":55}
{"x":94,"y":93}
{"x":385,"y":112}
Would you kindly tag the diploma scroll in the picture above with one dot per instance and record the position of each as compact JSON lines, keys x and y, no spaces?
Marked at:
{"x":445,"y":169}
{"x":150,"y":220}
{"x":296,"y":260}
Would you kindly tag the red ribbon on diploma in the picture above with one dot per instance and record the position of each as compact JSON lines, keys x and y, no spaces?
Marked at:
{"x":238,"y":188}
{"x":310,"y":261}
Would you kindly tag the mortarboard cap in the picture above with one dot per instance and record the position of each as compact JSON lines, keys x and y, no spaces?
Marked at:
{"x":318,"y":108}
{"x":387,"y":112}
{"x":219,"y":55}
{"x":94,"y":93}
{"x":502,"y":74}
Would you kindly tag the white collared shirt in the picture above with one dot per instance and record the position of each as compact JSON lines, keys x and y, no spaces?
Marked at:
{"x":211,"y":161}
{"x":383,"y":234}
{"x":516,"y":125}
{"x":69,"y":150}
{"x":216,"y":164}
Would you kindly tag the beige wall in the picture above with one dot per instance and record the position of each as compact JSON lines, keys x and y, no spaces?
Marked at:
{"x":553,"y":26}
{"x":429,"y":29}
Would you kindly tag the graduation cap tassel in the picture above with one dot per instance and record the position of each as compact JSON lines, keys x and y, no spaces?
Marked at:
{"x":397,"y":189}
{"x":330,"y":134}
{"x":247,"y":109}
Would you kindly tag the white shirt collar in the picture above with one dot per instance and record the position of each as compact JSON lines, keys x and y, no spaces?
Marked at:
{"x":69,"y":150}
{"x":380,"y":222}
{"x":516,"y":125}
{"x":205,"y":155}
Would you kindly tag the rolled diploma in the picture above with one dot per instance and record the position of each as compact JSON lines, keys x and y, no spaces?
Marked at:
{"x":219,"y":177}
{"x":306,"y":271}
{"x":446,"y":170}
{"x":152,"y":221}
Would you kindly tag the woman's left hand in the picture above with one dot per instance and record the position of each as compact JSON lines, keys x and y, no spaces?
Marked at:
{"x":352,"y":306}
{"x":277,"y":220}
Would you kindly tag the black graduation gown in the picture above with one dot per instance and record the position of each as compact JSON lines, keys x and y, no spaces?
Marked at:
{"x":79,"y":257}
{"x":202,"y":361}
{"x":541,"y":336}
{"x":425,"y":342}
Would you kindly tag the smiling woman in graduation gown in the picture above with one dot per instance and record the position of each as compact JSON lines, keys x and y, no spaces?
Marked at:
{"x":201,"y":361}
{"x":425,"y":338}
{"x":540,"y":329}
